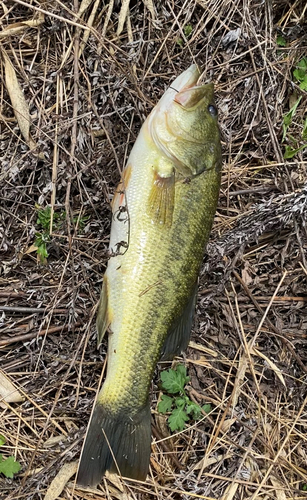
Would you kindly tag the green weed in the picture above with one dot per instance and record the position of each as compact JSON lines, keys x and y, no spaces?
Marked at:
{"x":281,"y":41}
{"x":179,"y":405}
{"x":300,"y":73}
{"x":297,"y":142}
{"x":8,"y":466}
{"x":42,"y":237}
{"x":187,"y":30}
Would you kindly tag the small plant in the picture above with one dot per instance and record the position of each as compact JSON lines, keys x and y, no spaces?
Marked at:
{"x":300,"y":73}
{"x":8,"y":466}
{"x":287,"y":120}
{"x":42,"y":237}
{"x":181,"y":408}
{"x":281,"y":41}
{"x":298,"y":142}
{"x":295,"y":143}
{"x":187,"y":30}
{"x":81,"y":221}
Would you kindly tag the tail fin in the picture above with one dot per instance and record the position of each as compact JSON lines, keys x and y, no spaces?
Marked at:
{"x":115,"y":442}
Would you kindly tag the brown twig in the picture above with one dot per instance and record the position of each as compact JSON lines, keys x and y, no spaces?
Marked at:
{"x":285,"y":341}
{"x":29,"y":336}
{"x":166,"y":448}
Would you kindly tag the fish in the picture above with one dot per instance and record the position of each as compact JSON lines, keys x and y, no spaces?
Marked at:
{"x":162,"y":213}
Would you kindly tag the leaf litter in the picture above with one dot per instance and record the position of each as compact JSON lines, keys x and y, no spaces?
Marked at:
{"x":82,"y":78}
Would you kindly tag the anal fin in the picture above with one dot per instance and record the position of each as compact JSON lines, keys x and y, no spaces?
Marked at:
{"x":161,"y":199}
{"x":179,"y":335}
{"x":103,"y":319}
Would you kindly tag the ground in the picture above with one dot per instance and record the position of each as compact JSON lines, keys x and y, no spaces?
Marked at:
{"x":77,"y":81}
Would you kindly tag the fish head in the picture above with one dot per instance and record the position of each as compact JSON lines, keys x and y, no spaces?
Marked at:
{"x":184,"y":125}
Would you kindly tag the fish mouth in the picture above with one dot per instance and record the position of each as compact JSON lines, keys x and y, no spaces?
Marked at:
{"x":188,"y":91}
{"x":188,"y":79}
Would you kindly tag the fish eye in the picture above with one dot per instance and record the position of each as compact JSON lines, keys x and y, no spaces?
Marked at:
{"x":212,"y":110}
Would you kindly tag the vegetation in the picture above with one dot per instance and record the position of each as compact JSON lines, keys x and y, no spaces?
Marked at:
{"x":43,"y":237}
{"x":8,"y":466}
{"x":180,"y":406}
{"x":295,"y":130}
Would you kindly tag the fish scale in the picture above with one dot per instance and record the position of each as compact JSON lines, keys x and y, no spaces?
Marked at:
{"x":162,"y":216}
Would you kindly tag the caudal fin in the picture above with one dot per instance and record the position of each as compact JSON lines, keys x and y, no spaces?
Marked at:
{"x":115,"y":442}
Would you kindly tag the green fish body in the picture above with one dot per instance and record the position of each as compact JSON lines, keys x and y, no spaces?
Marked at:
{"x":162,"y":212}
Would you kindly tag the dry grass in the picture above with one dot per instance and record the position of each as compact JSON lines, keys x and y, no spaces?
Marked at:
{"x":88,"y":80}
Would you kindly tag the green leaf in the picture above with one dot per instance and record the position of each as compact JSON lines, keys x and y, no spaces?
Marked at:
{"x":82,"y":221}
{"x":2,"y":440}
{"x":303,"y":64}
{"x":194,"y":409}
{"x":287,"y":120}
{"x":165,"y":405}
{"x":303,"y":84}
{"x":188,"y":30}
{"x":183,"y":372}
{"x":43,"y":217}
{"x":42,"y":252}
{"x":207,"y":408}
{"x":299,"y":74}
{"x":177,"y":419}
{"x":173,"y":381}
{"x":290,"y":152}
{"x":9,"y":466}
{"x":281,"y":41}
{"x":181,"y":402}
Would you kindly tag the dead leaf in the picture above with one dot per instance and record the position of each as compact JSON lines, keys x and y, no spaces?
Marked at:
{"x":207,"y":461}
{"x":272,"y":365}
{"x":228,"y":422}
{"x":89,"y":23}
{"x":59,"y":482}
{"x":116,"y":488}
{"x":8,"y":392}
{"x":202,"y":348}
{"x":280,"y":494}
{"x":19,"y":103}
{"x":243,"y":364}
{"x":122,"y":16}
{"x":15,"y":28}
{"x":150,"y":7}
{"x":230,"y":491}
{"x":54,"y":440}
{"x":30,"y":249}
{"x":83,"y":7}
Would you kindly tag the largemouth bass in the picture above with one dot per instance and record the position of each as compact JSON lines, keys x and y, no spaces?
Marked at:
{"x":162,"y":213}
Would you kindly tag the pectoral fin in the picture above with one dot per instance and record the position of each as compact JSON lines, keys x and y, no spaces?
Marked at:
{"x":103,"y":319}
{"x":179,"y":335}
{"x":161,"y":199}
